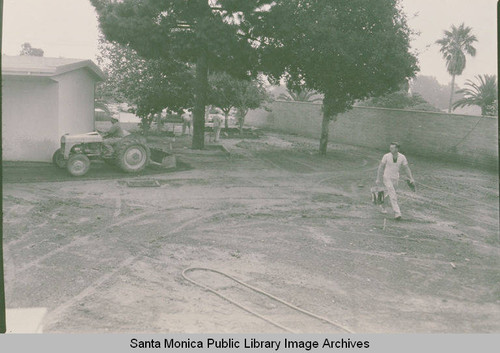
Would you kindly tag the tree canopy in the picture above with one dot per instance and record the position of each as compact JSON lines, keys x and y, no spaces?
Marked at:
{"x":227,"y":92}
{"x":150,"y":85}
{"x":347,"y":50}
{"x":27,"y":49}
{"x":212,"y":35}
{"x":454,"y":46}
{"x":223,"y":91}
{"x":250,"y":95}
{"x":300,"y":95}
{"x":483,"y":93}
{"x":183,"y":29}
{"x":400,"y":100}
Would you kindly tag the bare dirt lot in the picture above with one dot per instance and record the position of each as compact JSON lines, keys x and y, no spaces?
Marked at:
{"x":102,"y":256}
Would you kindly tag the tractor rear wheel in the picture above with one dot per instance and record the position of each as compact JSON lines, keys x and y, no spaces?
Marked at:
{"x":132,"y":156}
{"x":58,"y":159}
{"x":78,"y":164}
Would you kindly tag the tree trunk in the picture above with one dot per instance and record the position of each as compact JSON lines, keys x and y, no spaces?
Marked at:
{"x":200,"y":101}
{"x":452,"y":91}
{"x":241,"y":119}
{"x":226,"y":117}
{"x":240,"y":124}
{"x":323,"y":141}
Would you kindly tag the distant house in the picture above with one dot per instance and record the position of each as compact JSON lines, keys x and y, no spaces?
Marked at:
{"x":42,"y":99}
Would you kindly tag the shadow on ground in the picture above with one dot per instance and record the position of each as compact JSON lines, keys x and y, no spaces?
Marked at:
{"x":32,"y":172}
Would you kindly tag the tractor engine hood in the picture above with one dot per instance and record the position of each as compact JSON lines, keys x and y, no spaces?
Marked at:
{"x":81,"y":138}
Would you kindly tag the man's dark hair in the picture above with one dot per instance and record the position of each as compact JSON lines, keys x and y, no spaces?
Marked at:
{"x":395,"y":144}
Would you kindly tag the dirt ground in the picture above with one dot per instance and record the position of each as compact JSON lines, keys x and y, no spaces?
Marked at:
{"x":102,"y":256}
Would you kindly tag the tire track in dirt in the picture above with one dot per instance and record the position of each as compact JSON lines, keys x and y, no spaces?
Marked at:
{"x":35,"y":227}
{"x":458,"y":210}
{"x":268,"y":161}
{"x":118,"y":207}
{"x":297,"y":160}
{"x":385,"y":254}
{"x":455,"y":195}
{"x":79,"y":241}
{"x":391,"y":254}
{"x":433,"y":240}
{"x":52,"y":316}
{"x":362,"y":170}
{"x":312,"y":169}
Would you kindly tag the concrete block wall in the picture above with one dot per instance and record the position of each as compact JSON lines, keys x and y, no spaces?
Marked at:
{"x":468,"y":139}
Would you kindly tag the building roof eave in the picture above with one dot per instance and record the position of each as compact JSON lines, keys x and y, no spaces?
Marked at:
{"x":85,"y":64}
{"x":47,"y":67}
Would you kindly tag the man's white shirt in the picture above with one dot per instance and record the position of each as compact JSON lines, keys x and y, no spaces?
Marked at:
{"x":392,"y":168}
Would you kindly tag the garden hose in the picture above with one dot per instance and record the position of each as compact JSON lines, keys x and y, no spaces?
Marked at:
{"x":191,"y":269}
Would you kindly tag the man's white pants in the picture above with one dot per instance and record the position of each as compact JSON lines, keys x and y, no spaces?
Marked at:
{"x":391,"y":184}
{"x":217,"y":133}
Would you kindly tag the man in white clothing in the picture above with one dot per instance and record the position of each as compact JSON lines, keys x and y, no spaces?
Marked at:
{"x":187,"y":121}
{"x":391,"y":163}
{"x":217,"y":125}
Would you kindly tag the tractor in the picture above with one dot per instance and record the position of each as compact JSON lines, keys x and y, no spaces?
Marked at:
{"x":129,"y":153}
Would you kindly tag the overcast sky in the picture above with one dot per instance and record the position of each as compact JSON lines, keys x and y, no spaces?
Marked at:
{"x":68,"y":28}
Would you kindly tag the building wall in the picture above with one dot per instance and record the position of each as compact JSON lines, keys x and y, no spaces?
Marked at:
{"x":436,"y":135}
{"x":76,"y":102}
{"x":29,"y":119}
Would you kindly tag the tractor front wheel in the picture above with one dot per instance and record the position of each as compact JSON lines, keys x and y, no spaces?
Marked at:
{"x":58,"y":159}
{"x":78,"y":164}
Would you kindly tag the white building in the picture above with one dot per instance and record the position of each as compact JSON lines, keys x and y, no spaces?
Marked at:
{"x":42,"y":99}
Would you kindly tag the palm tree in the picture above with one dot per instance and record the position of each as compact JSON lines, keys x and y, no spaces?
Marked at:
{"x":454,"y":46}
{"x":484,"y":94}
{"x":300,"y":95}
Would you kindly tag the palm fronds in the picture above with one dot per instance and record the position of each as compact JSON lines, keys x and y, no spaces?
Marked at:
{"x":483,"y":93}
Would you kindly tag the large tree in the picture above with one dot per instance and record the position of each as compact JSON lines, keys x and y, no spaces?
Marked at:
{"x":454,"y":46}
{"x":347,"y":50}
{"x":150,"y":85}
{"x":483,"y":93}
{"x":227,"y":92}
{"x":211,"y":35}
{"x":249,"y":95}
{"x":223,"y":93}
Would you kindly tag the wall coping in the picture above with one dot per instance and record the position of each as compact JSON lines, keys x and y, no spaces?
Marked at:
{"x":428,"y":112}
{"x":394,"y":109}
{"x":296,"y":102}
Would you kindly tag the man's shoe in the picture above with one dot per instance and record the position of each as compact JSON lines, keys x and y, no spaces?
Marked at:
{"x":397,"y":217}
{"x":382,"y":209}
